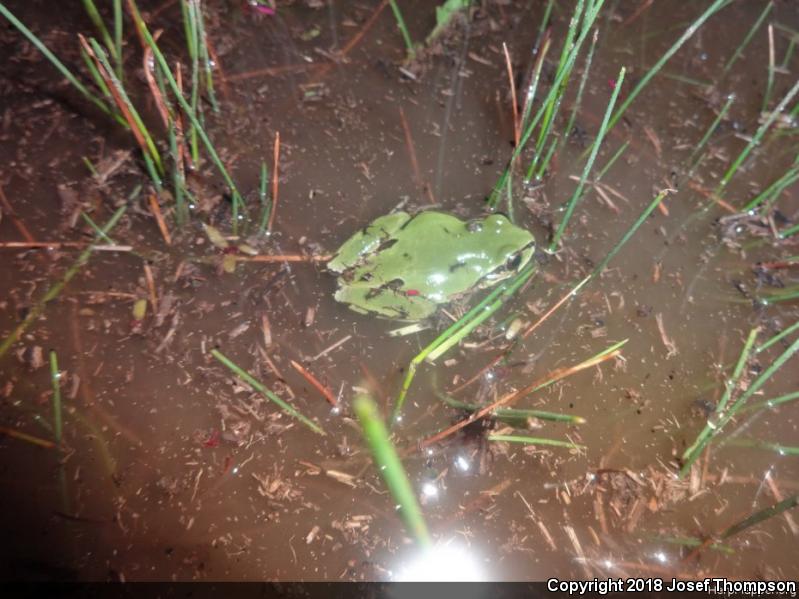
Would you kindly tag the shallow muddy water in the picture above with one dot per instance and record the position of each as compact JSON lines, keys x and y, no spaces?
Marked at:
{"x":170,"y":468}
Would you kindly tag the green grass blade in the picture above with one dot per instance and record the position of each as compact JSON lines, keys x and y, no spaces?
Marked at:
{"x":452,"y":330}
{"x":142,"y":28}
{"x":695,"y":158}
{"x":55,"y":380}
{"x":588,"y":165}
{"x":514,"y":414}
{"x":97,"y":20}
{"x":390,"y":467}
{"x":690,"y":455}
{"x":258,"y":386}
{"x":56,"y":289}
{"x":118,"y":29}
{"x":474,"y":322}
{"x":526,"y":440}
{"x":760,"y":516}
{"x":756,"y":138}
{"x":755,"y":26}
{"x":778,"y":337}
{"x":591,"y":14}
{"x":57,"y":63}
{"x":730,"y":414}
{"x":406,"y":36}
{"x":692,"y":29}
{"x":150,"y":147}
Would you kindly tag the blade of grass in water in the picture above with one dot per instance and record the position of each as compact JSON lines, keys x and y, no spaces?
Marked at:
{"x":575,"y":109}
{"x":588,"y":165}
{"x":406,"y":37}
{"x":695,"y":158}
{"x":534,"y":441}
{"x":98,"y":79}
{"x":755,"y":26}
{"x":694,"y":27}
{"x":208,"y":74}
{"x":789,"y":232}
{"x":591,"y":14}
{"x":692,"y":452}
{"x":771,"y":403}
{"x":474,"y":313}
{"x":756,"y":138}
{"x":145,"y":33}
{"x":97,"y":20}
{"x":612,"y":161}
{"x":59,"y":65}
{"x":551,"y":108}
{"x":55,"y":380}
{"x":698,"y":447}
{"x":473,"y":323}
{"x":118,"y":27}
{"x":778,"y":337}
{"x":514,"y":414}
{"x":772,"y":193}
{"x":787,"y":294}
{"x":694,"y":542}
{"x":55,"y":290}
{"x":760,"y":516}
{"x":390,"y":467}
{"x":766,"y":445}
{"x":258,"y":386}
{"x":192,"y":42}
{"x":123,"y":101}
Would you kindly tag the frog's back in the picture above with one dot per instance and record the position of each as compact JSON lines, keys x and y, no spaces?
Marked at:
{"x":440,"y":255}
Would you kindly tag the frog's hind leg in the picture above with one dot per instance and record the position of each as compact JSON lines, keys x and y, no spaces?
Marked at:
{"x":395,"y":305}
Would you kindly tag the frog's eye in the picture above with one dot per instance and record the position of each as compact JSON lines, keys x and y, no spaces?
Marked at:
{"x":514,"y":262}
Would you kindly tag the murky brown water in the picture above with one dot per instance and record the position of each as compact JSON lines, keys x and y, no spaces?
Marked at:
{"x":174,"y":470}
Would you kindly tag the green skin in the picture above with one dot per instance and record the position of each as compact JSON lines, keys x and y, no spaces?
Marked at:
{"x":403,"y":267}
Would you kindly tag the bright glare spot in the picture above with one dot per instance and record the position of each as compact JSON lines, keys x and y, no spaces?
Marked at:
{"x":661,"y":557}
{"x":235,"y":469}
{"x":608,"y":563}
{"x":429,"y":451}
{"x":429,"y":489}
{"x":336,"y":410}
{"x":442,"y":563}
{"x":462,"y":464}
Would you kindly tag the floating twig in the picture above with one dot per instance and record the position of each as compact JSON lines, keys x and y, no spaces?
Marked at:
{"x":327,"y":393}
{"x":159,"y":219}
{"x":275,"y":182}
{"x":15,"y":434}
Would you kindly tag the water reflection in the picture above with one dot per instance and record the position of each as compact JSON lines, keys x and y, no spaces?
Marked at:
{"x":444,"y":562}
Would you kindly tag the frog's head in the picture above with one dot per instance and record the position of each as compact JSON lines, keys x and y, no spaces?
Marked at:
{"x":512,"y":246}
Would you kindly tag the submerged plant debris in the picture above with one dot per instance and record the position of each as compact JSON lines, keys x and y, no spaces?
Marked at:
{"x":177,"y":379}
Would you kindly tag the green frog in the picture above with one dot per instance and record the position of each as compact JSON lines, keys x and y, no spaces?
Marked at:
{"x":404,"y":267}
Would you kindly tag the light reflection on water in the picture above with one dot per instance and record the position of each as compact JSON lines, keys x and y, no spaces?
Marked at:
{"x":444,"y":562}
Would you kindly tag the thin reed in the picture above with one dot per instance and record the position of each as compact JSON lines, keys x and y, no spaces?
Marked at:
{"x":55,"y":290}
{"x":55,"y":380}
{"x":390,"y":467}
{"x":258,"y":386}
{"x":578,"y":191}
